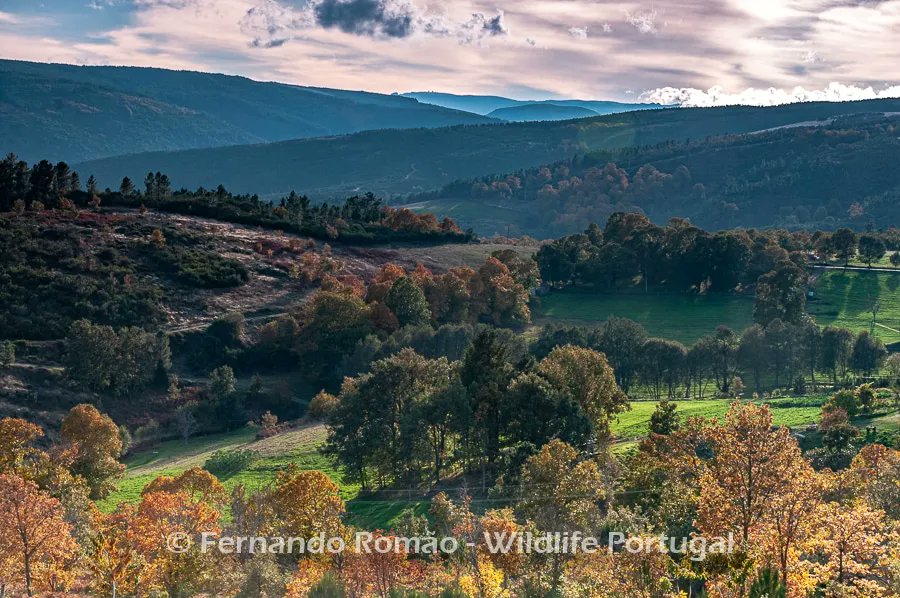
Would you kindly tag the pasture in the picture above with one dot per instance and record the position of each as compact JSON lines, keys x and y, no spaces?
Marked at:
{"x":300,"y":446}
{"x":845,"y":299}
{"x":680,"y":317}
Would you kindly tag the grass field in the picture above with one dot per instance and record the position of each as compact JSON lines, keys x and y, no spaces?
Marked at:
{"x":792,"y":411}
{"x":300,"y":446}
{"x":845,"y":299}
{"x":681,"y":317}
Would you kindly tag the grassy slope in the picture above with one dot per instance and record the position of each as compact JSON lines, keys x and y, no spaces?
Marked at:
{"x":844,"y":299}
{"x":684,"y":318}
{"x":300,"y":447}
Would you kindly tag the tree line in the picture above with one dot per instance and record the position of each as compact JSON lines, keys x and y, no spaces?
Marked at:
{"x":360,"y":219}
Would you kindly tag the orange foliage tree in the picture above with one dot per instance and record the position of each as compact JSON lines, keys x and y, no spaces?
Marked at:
{"x":36,"y":544}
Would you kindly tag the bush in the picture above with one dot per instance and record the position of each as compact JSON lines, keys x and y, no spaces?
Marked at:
{"x":844,"y":399}
{"x":321,"y":406}
{"x":223,"y":464}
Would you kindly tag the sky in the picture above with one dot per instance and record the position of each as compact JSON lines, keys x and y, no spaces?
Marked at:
{"x":692,"y":52}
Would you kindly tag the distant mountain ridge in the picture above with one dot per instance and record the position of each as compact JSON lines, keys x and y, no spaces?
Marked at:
{"x":76,"y":113}
{"x":540,"y":112}
{"x":395,"y":163}
{"x":486,"y":105}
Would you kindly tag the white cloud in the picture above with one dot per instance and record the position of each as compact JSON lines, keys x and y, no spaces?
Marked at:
{"x":643,"y":20}
{"x":6,"y":17}
{"x":606,"y":27}
{"x":578,"y":32}
{"x":716,"y":96}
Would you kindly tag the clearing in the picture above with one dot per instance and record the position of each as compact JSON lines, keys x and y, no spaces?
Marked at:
{"x":680,"y":317}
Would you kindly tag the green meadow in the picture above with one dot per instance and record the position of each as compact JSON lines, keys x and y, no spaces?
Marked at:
{"x":681,"y":317}
{"x":845,"y":299}
{"x":301,"y":447}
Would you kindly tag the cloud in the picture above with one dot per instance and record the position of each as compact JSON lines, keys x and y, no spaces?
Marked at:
{"x":376,"y":18}
{"x":606,"y":27}
{"x":271,"y":24}
{"x":715,"y":96}
{"x":480,"y":27}
{"x":643,"y":20}
{"x":578,"y":32}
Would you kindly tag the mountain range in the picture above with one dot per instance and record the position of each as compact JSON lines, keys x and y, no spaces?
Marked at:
{"x":521,"y":110}
{"x":400,"y":162}
{"x":76,"y":113}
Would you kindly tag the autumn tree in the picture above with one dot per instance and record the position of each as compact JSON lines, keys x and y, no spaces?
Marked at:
{"x":98,"y":446}
{"x":850,"y":549}
{"x":306,"y":503}
{"x":564,"y":493}
{"x":36,"y":545}
{"x":749,"y":468}
{"x":187,"y":505}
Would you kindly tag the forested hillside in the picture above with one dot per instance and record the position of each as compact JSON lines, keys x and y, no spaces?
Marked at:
{"x":79,"y":113}
{"x":397,"y":162}
{"x":823,"y":175}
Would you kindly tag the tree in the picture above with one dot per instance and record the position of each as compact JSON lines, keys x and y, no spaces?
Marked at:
{"x":126,"y":188}
{"x":306,"y":503}
{"x":98,"y":446}
{"x":844,"y":242}
{"x":587,"y":377}
{"x":7,"y":353}
{"x":781,"y":294}
{"x":408,"y":303}
{"x":36,"y":542}
{"x":895,"y":259}
{"x":330,"y":326}
{"x":92,"y":185}
{"x":665,"y":419}
{"x":753,"y":353}
{"x":486,"y":374}
{"x":563,"y":493}
{"x":621,"y":341}
{"x":221,"y":383}
{"x":751,"y":467}
{"x":115,"y":565}
{"x":837,"y":346}
{"x":165,"y":511}
{"x":871,"y":249}
{"x":850,"y":549}
{"x":17,"y":438}
{"x":868,"y":354}
{"x":662,"y":365}
{"x":836,"y":429}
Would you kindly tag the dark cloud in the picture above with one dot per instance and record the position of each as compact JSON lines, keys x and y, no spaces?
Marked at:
{"x":366,"y":17}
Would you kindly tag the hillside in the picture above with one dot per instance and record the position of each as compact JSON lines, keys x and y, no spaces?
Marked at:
{"x":540,"y":112}
{"x":488,"y":104}
{"x":823,"y":175}
{"x":396,"y":162}
{"x":76,"y":113}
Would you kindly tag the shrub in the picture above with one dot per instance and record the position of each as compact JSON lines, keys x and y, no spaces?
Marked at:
{"x":322,"y":405}
{"x":223,"y":463}
{"x":844,"y":399}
